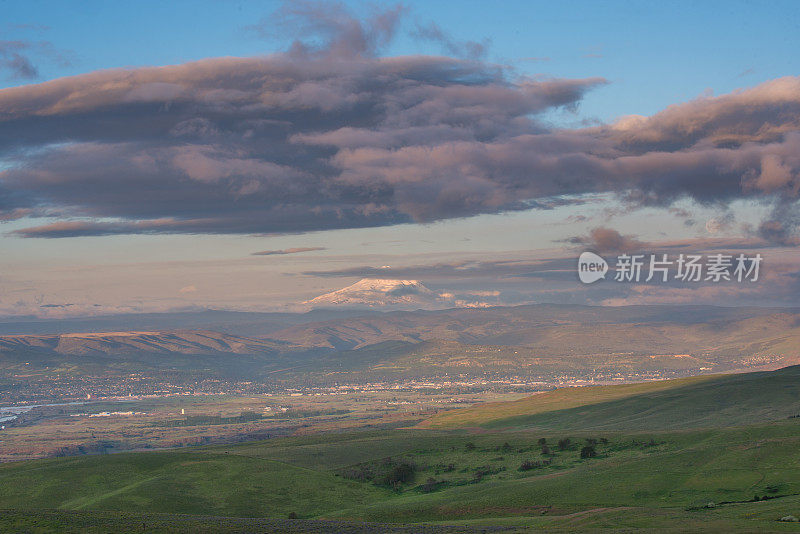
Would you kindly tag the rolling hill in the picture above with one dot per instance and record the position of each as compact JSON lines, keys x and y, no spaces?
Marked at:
{"x":697,"y":402}
{"x":738,"y":473}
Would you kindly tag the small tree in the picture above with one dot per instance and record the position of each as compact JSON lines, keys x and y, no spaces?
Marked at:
{"x":546,"y":450}
{"x":564,"y":443}
{"x":588,"y":452}
{"x":469,"y":446}
{"x":401,"y":473}
{"x":542,"y":442}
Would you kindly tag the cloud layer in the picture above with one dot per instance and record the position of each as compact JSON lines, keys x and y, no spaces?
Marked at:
{"x":330,"y":135}
{"x":294,"y":250}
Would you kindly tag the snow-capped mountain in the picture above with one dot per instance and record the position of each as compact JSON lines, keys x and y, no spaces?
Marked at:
{"x":382,"y":293}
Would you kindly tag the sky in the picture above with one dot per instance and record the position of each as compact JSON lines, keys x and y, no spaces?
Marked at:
{"x":252,"y":155}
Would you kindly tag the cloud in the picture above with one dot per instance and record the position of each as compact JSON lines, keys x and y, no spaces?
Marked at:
{"x":188,"y":289}
{"x":330,"y":28}
{"x":720,"y":223}
{"x":16,"y":58}
{"x":330,"y":135}
{"x":603,"y":239}
{"x":551,"y":276}
{"x":780,"y":227}
{"x":296,"y":250}
{"x":433,"y":32}
{"x":460,"y":270}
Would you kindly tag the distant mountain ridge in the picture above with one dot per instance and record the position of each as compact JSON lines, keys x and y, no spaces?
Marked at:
{"x":121,"y":343}
{"x":536,"y":341}
{"x":553,"y":340}
{"x":230,"y":322}
{"x":527,"y":325}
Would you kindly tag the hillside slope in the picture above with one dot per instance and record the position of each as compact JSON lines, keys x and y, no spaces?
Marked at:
{"x":661,"y":481}
{"x":697,"y":402}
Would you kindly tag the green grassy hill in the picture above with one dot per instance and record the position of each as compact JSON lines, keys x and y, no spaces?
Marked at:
{"x":697,"y":402}
{"x":212,"y":483}
{"x":704,"y":454}
{"x":658,"y":480}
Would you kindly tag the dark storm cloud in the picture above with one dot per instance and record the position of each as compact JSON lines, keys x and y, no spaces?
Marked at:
{"x":331,"y":135}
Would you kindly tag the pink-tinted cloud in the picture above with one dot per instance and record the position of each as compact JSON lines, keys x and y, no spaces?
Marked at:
{"x":603,"y":239}
{"x":331,"y":135}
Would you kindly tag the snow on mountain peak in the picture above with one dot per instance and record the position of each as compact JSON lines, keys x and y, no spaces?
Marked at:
{"x":380,"y":292}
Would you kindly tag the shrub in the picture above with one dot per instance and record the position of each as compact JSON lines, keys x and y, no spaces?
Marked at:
{"x":564,"y":443}
{"x":527,"y":465}
{"x":430,"y":485}
{"x":400,"y":473}
{"x":486,"y":470}
{"x":588,"y":452}
{"x":361,"y":473}
{"x":469,"y":446}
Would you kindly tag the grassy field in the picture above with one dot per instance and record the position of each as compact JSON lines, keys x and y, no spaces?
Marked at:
{"x":636,"y":479}
{"x":561,"y":477}
{"x":696,"y":402}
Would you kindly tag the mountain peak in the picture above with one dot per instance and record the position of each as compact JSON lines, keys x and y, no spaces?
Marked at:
{"x":379,"y":292}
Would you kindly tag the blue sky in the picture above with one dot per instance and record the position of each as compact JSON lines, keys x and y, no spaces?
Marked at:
{"x":653,"y":55}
